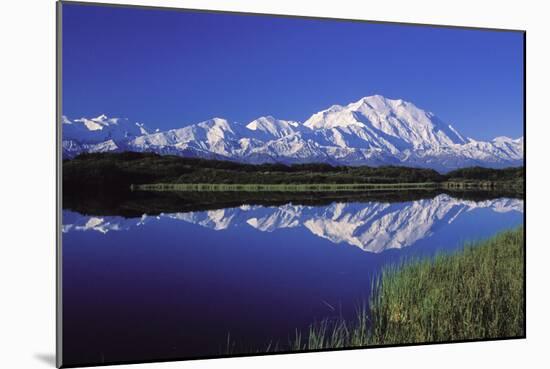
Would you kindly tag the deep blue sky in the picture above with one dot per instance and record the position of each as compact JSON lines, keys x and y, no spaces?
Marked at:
{"x":168,"y":69}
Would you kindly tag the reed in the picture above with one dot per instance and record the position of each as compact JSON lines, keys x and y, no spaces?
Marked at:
{"x":477,"y":293}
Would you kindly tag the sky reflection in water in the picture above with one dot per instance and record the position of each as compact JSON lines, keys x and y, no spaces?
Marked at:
{"x":174,"y":285}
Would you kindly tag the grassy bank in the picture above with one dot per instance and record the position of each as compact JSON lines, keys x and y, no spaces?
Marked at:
{"x":313,"y":187}
{"x":476,"y":293}
{"x":515,"y":186}
{"x":505,"y":188}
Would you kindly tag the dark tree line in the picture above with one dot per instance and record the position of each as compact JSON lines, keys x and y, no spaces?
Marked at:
{"x":117,"y":171}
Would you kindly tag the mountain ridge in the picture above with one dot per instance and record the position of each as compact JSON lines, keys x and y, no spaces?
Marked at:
{"x":371,"y":131}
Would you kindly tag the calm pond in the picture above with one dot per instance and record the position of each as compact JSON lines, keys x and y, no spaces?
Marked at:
{"x":182,"y":284}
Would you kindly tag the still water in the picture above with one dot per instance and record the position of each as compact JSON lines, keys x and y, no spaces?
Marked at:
{"x":183,"y":285}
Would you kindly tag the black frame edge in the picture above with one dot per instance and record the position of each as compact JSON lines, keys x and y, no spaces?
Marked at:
{"x":58,"y":184}
{"x":525,"y":184}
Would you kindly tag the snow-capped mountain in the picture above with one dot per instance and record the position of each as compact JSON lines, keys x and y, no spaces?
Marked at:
{"x":99,"y":134}
{"x":373,"y":226}
{"x":371,"y":131}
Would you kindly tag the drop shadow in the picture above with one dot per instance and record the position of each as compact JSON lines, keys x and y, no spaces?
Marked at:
{"x":48,"y":359}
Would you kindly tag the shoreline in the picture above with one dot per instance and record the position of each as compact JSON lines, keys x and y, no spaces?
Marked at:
{"x":257,"y":187}
{"x":326,"y":187}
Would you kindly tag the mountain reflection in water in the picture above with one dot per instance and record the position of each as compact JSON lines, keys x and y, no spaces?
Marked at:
{"x":371,"y":226}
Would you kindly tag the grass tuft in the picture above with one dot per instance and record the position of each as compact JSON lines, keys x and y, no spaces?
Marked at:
{"x":476,"y":293}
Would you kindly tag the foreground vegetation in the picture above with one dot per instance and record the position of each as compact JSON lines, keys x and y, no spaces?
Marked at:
{"x":114,"y":171}
{"x":477,"y":293}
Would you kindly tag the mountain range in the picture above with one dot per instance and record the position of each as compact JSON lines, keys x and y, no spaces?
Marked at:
{"x":371,"y":131}
{"x":372,"y":226}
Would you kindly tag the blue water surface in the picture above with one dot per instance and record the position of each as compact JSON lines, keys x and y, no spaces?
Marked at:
{"x":183,"y":285}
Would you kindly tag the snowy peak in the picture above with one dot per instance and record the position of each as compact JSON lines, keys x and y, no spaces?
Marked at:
{"x":502,"y":140}
{"x":373,"y":130}
{"x":101,"y":129}
{"x":399,"y":120}
{"x":98,"y":123}
{"x":215,"y":138}
{"x":508,"y":147}
{"x":269,"y":127}
{"x":378,"y":103}
{"x":218,"y":125}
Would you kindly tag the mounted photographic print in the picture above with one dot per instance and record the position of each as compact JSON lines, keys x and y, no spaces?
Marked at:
{"x":235,"y":184}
